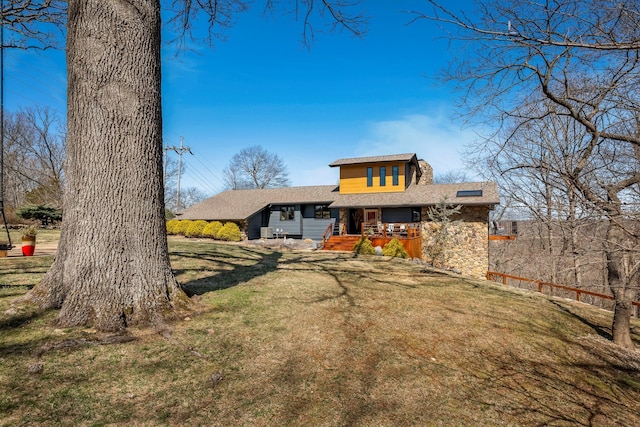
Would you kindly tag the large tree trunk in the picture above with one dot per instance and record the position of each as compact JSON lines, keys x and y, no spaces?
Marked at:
{"x":620,"y":282}
{"x":112,"y":268}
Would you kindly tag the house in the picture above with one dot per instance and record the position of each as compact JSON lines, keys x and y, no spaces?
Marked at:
{"x":382,"y":197}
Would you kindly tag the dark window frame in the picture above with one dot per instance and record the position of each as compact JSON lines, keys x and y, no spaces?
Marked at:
{"x":383,"y":176}
{"x":395,"y":172}
{"x":416,"y":214}
{"x":321,"y":212}
{"x":287,"y":213}
{"x":369,"y":177}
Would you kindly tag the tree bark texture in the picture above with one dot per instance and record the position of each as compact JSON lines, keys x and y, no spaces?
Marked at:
{"x":112,"y":267}
{"x":621,"y":278}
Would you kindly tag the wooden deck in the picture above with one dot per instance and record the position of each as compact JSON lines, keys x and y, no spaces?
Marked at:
{"x":341,"y":243}
{"x":413,"y":245}
{"x":501,"y":237}
{"x":380,"y":234}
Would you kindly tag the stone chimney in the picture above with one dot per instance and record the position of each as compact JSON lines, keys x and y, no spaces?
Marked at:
{"x":427,"y":173}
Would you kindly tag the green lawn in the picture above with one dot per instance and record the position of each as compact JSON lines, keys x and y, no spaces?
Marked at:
{"x":317,"y":338}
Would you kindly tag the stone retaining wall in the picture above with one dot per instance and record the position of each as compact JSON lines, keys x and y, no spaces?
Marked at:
{"x":466,"y":248}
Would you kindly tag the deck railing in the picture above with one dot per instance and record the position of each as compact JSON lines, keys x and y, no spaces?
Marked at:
{"x":503,"y":228}
{"x":404,"y":230}
{"x":502,"y":277}
{"x":327,"y":234}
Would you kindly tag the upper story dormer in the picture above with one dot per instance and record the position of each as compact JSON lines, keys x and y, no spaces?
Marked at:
{"x":382,"y":174}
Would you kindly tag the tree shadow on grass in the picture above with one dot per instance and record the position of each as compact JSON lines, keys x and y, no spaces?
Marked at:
{"x":603,"y":332}
{"x":19,"y":319}
{"x":234,"y":275}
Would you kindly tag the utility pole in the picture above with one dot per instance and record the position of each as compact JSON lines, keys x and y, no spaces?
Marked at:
{"x":8,"y":245}
{"x":179,"y":150}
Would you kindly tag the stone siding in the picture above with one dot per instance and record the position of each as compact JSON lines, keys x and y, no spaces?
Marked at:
{"x":342,"y":220}
{"x":427,"y":173}
{"x":467,"y":250}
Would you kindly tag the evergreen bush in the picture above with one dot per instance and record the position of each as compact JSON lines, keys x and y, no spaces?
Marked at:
{"x":195,"y":228}
{"x":211,"y":230}
{"x":364,"y":247}
{"x":45,"y":214}
{"x":230,"y":232}
{"x":394,"y":248}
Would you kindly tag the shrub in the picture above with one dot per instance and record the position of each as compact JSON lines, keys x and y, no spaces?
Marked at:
{"x":171,"y":226}
{"x":211,"y":230}
{"x":195,"y":228}
{"x":364,"y":246}
{"x":30,"y":232}
{"x":394,"y":248}
{"x":230,"y":231}
{"x":44,"y":214}
{"x":181,"y":227}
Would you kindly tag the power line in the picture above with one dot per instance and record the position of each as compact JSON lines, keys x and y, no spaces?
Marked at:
{"x":201,"y":177}
{"x":180,"y":151}
{"x":210,"y":169}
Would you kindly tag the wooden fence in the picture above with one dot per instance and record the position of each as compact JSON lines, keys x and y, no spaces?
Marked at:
{"x":495,"y":276}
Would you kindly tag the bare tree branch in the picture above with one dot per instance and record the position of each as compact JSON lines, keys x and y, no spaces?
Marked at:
{"x":34,"y":24}
{"x":220,"y":15}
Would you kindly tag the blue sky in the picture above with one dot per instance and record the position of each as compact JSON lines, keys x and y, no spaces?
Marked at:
{"x":343,"y":97}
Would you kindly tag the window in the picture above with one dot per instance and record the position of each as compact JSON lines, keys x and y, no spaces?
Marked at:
{"x":287,"y":213}
{"x":395,"y":171}
{"x":383,"y":176}
{"x":369,"y":177}
{"x":322,"y":212}
{"x":416,"y":215}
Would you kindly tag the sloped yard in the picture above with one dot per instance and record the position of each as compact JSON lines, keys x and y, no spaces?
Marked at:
{"x":321,"y":338}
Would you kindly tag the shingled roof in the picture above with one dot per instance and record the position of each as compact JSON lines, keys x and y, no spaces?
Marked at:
{"x":237,"y":205}
{"x":423,"y":195}
{"x":375,"y":159}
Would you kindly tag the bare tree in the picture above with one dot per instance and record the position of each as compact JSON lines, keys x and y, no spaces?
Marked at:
{"x":255,"y":167}
{"x":34,"y":157}
{"x":532,"y":167}
{"x":452,"y":176}
{"x":578,"y":59}
{"x":112,"y":267}
{"x":443,"y":229}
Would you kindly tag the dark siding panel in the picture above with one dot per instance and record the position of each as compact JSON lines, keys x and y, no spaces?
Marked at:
{"x":407,"y":175}
{"x":308,"y":211}
{"x":292,"y":227}
{"x":253,"y":226}
{"x":391,"y":215}
{"x":314,"y":228}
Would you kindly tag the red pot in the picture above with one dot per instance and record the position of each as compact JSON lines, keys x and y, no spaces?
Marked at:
{"x":28,"y":246}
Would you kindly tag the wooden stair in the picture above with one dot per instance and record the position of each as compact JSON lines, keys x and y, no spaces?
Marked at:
{"x":341,"y":243}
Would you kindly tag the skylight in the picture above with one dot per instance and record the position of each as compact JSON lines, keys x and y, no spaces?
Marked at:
{"x":469,"y":193}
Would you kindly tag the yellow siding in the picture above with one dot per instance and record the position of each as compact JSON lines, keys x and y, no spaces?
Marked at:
{"x":353,"y":178}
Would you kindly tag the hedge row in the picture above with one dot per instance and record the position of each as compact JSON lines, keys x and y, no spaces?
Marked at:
{"x":214,"y":230}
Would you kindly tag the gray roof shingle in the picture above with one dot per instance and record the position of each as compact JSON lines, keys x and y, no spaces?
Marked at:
{"x":422,"y":195}
{"x":235,"y":205}
{"x":374,"y":159}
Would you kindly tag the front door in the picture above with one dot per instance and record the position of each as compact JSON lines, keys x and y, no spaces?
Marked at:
{"x":371,"y":216}
{"x":355,"y":218}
